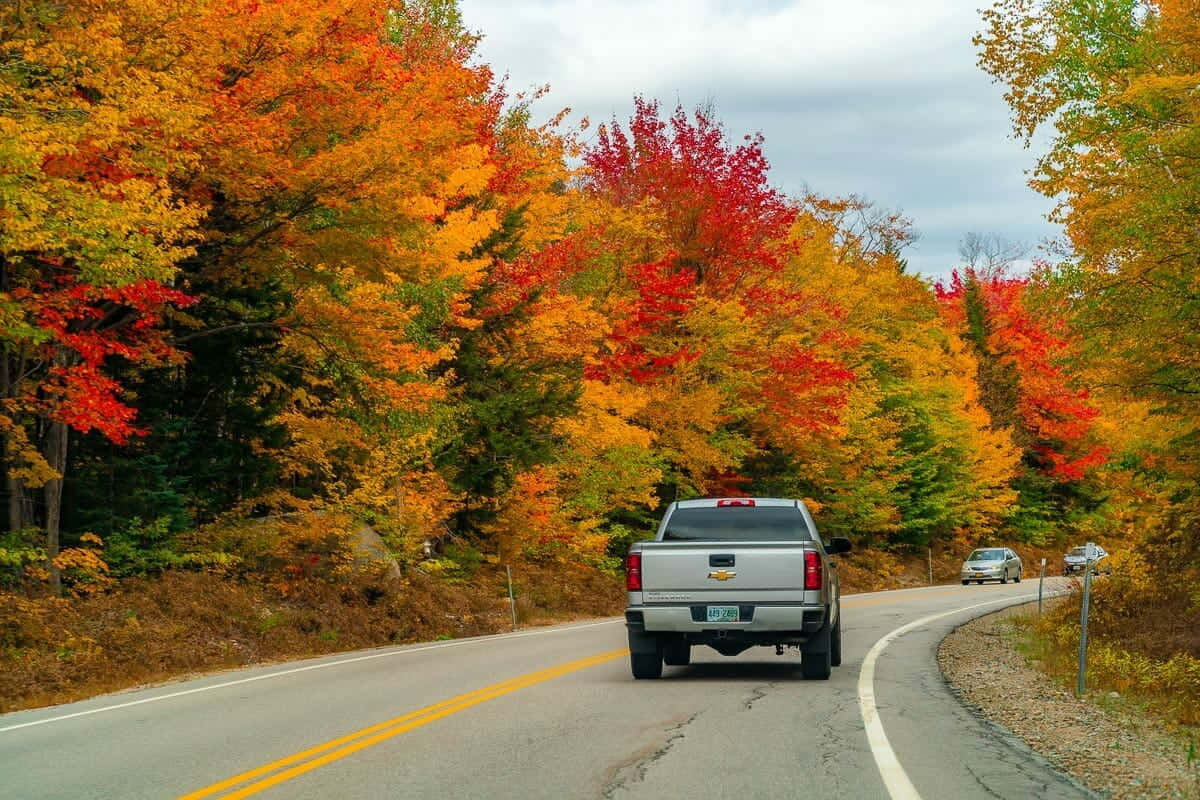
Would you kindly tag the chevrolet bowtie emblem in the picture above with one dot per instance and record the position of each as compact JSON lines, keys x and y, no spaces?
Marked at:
{"x":722,"y":574}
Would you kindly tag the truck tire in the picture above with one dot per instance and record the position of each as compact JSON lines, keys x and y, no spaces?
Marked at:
{"x":817,"y":660}
{"x":645,"y":653}
{"x":677,"y":653}
{"x":835,"y":644}
{"x":816,"y":666}
{"x":646,"y":665}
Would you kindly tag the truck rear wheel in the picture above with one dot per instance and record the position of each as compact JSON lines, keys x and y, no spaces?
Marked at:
{"x":816,"y":666}
{"x":677,"y":653}
{"x":646,"y":665}
{"x":816,"y":663}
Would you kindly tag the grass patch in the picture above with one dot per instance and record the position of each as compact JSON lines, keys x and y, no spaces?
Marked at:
{"x":1166,"y":688}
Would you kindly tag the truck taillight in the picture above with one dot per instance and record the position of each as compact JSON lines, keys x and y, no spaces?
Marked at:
{"x":812,"y":569}
{"x":735,"y":502}
{"x":633,"y":572}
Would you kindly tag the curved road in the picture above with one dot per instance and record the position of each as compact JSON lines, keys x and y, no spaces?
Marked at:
{"x":552,"y":713}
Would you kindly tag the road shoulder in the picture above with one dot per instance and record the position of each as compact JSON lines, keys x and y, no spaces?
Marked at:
{"x":1115,"y":752}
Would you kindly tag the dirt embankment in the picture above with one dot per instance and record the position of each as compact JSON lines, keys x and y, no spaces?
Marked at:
{"x":1104,"y":741}
{"x":184,"y":623}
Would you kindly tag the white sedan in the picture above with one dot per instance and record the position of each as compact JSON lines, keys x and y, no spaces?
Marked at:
{"x":991,"y":564}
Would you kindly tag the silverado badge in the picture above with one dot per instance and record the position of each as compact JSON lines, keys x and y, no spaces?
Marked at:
{"x":722,"y":574}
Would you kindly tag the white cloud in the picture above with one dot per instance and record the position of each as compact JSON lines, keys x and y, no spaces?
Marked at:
{"x":875,"y":97}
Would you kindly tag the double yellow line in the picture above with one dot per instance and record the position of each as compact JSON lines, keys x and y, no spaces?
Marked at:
{"x":851,"y":602}
{"x":287,"y":768}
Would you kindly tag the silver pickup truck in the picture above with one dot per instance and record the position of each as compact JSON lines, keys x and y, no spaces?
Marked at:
{"x":734,"y":573}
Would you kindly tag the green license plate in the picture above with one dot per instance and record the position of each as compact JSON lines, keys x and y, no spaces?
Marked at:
{"x":722,"y":613}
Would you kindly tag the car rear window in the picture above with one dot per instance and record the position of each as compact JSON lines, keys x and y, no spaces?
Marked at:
{"x":736,"y":524}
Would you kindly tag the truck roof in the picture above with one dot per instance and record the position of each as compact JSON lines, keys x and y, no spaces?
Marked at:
{"x":712,"y":502}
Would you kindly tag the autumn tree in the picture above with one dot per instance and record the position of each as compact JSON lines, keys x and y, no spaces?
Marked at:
{"x":310,"y":256}
{"x":94,"y":115}
{"x":1113,"y":83}
{"x":913,"y":459}
{"x":1025,"y":384}
{"x":704,"y":319}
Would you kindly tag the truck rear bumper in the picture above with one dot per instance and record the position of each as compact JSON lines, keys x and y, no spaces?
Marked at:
{"x":756,"y":619}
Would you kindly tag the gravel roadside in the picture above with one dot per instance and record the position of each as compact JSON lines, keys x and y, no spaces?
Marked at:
{"x":1113,"y":751}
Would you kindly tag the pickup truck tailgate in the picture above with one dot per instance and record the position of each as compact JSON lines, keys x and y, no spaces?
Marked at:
{"x":712,"y":572}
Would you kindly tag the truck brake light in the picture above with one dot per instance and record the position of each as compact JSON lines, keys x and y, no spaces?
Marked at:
{"x":633,"y":572}
{"x":812,"y":569}
{"x":735,"y":502}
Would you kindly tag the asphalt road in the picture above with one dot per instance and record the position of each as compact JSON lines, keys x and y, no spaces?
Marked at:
{"x":552,"y":713}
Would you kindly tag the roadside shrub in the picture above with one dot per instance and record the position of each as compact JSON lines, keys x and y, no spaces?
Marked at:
{"x":458,"y":563}
{"x":26,"y":623}
{"x":24,"y":568}
{"x":83,"y":569}
{"x":142,"y":549}
{"x":1171,"y":686}
{"x":19,"y":558}
{"x":286,"y":549}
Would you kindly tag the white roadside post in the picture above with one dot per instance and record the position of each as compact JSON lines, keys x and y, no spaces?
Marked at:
{"x":1083,"y":615}
{"x":512,"y":604}
{"x":1041,"y":580}
{"x":930,"y":553}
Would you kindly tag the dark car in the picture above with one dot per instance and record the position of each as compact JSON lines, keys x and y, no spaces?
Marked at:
{"x":1075,"y":561}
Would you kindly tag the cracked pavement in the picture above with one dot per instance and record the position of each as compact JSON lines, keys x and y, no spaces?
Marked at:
{"x":635,"y":771}
{"x":756,"y":694}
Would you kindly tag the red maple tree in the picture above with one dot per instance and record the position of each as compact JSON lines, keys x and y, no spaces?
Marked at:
{"x":1054,"y":415}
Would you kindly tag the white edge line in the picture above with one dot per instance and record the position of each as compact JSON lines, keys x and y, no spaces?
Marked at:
{"x":898,"y":784}
{"x":294,"y":670}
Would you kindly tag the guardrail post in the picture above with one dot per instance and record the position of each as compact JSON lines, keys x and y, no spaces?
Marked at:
{"x":1083,"y":617}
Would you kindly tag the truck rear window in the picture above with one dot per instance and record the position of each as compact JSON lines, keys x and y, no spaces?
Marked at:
{"x":757,"y":524}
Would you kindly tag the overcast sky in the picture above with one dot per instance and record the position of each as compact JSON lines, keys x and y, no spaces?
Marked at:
{"x":879,"y":98}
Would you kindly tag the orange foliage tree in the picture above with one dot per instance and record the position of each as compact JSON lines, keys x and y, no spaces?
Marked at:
{"x":309,"y":255}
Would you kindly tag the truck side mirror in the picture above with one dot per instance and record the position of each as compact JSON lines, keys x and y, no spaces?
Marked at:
{"x":838,"y":545}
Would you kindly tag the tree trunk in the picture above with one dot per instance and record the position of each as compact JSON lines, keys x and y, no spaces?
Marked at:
{"x":16,"y":495}
{"x":56,"y":457}
{"x":14,"y":489}
{"x":14,"y":520}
